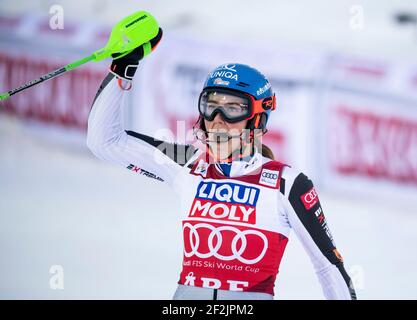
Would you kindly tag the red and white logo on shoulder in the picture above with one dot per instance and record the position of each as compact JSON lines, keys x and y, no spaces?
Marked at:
{"x":310,"y":198}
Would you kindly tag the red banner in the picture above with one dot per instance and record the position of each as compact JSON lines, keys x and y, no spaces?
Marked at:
{"x":65,"y":100}
{"x":373,"y":145}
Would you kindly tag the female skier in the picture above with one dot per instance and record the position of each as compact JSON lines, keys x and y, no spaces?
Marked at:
{"x":237,"y":203}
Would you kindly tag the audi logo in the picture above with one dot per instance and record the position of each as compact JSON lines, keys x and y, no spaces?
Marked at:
{"x":215,"y":242}
{"x":310,"y":196}
{"x":269,"y":175}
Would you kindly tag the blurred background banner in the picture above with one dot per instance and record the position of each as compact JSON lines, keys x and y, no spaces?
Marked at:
{"x":348,"y":121}
{"x":367,"y":143}
{"x":345,"y":76}
{"x":30,"y":48}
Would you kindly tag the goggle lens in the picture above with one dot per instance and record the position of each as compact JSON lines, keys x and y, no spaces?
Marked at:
{"x":233,"y":107}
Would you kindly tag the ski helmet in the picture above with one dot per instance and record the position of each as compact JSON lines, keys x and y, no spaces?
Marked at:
{"x":243,"y":81}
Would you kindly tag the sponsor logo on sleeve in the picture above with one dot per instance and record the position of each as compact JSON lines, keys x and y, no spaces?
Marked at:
{"x":310,"y":198}
{"x":269,"y":178}
{"x":144,"y":172}
{"x":322,"y":220}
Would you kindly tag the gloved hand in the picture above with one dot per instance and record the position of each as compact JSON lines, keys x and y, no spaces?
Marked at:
{"x":125,"y":67}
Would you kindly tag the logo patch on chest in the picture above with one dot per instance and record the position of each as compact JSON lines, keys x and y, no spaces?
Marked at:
{"x":225,"y":201}
{"x":201,"y":168}
{"x":269,"y":178}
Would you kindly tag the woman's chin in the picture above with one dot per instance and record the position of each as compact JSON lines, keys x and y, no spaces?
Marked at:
{"x":220,"y":150}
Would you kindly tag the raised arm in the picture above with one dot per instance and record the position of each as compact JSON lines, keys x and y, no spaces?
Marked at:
{"x":307,"y":219}
{"x":108,"y":139}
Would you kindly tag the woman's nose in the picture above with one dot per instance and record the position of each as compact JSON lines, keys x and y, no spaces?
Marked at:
{"x":218,"y":118}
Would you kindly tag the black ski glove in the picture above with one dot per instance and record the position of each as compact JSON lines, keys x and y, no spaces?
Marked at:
{"x":125,"y":66}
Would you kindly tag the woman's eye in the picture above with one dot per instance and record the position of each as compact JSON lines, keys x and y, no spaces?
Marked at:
{"x":233,"y":109}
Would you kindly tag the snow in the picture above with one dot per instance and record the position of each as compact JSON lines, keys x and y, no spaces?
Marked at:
{"x":117,"y":235}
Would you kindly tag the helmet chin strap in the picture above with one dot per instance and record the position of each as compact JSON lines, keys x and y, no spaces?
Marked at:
{"x":246,"y":141}
{"x":221,"y":137}
{"x":236,"y":154}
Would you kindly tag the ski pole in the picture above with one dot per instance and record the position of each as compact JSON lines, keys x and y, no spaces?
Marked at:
{"x":128,"y":34}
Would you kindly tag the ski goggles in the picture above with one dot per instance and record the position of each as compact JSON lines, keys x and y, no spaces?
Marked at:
{"x":234,"y":106}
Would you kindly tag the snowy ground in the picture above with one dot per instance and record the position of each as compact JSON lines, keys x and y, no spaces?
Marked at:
{"x":117,"y":235}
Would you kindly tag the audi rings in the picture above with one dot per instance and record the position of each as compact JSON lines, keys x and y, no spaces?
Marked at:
{"x":216,"y":233}
{"x":270,"y":175}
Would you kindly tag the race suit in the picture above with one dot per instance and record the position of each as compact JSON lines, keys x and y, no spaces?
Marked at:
{"x":236,"y":221}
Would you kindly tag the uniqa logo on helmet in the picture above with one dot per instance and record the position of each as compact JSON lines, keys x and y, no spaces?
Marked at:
{"x":218,"y":73}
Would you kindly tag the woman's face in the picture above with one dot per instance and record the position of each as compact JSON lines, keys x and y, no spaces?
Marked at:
{"x":222,"y":150}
